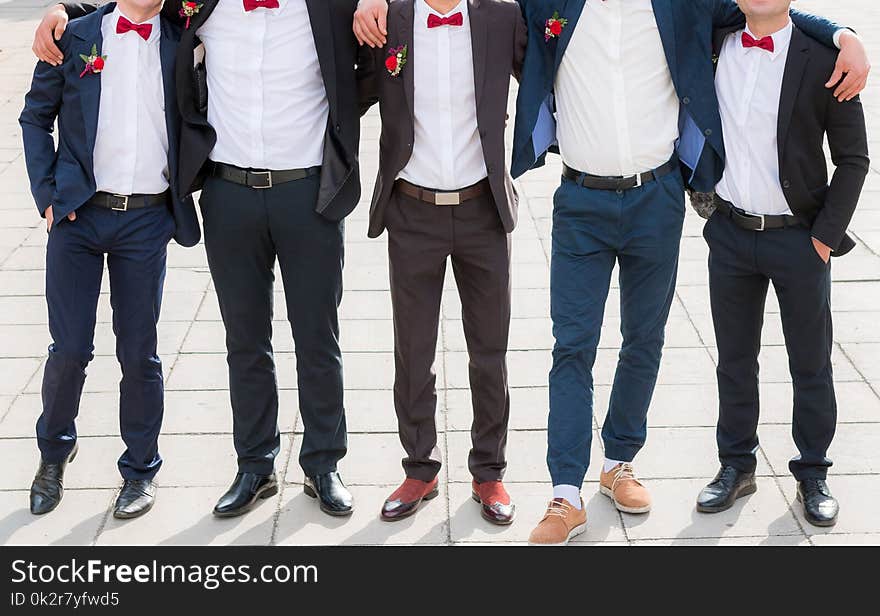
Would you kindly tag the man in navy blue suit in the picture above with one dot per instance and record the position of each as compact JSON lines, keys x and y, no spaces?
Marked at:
{"x":624,"y":91}
{"x":108,"y":189}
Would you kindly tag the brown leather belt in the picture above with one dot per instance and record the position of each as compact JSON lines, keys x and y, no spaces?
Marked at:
{"x":443,"y":197}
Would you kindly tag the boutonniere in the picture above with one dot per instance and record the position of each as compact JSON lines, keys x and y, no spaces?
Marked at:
{"x":94,"y":62}
{"x":189,"y":10}
{"x":553,"y":27}
{"x":396,"y":60}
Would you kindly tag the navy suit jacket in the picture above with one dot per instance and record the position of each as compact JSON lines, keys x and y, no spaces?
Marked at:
{"x":686,"y":29}
{"x":64,"y":177}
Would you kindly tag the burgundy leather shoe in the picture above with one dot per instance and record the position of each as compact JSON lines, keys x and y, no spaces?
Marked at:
{"x":495,"y":505}
{"x":406,"y":499}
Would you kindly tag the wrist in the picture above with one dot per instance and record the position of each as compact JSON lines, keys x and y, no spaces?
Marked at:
{"x":845,"y":36}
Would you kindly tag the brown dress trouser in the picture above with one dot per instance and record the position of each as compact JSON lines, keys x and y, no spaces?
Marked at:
{"x":421,"y":237}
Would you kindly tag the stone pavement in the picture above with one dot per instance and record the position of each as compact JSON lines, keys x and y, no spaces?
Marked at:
{"x":197,"y":445}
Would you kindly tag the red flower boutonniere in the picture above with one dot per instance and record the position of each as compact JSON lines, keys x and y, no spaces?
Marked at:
{"x":396,"y":60}
{"x":189,"y":10}
{"x":553,"y":27}
{"x":94,"y":62}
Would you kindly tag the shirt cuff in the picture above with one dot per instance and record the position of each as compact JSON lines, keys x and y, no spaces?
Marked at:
{"x":837,"y":35}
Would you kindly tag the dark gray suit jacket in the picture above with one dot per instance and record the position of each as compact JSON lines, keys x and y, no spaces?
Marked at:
{"x":498,"y":38}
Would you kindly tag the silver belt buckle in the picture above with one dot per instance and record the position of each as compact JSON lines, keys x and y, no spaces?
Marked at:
{"x":763,"y":223}
{"x":447,"y":198}
{"x":124,"y":207}
{"x":638,"y":180}
{"x":268,"y":175}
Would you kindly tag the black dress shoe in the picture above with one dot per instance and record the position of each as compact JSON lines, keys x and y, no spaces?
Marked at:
{"x":135,"y":499}
{"x":48,"y":486}
{"x":244,"y":493}
{"x":820,"y":508}
{"x":332,"y":495}
{"x":729,"y":484}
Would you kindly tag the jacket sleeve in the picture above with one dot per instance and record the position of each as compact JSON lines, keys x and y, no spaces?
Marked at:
{"x":848,"y":142}
{"x":79,"y":9}
{"x":521,"y":38}
{"x":726,"y":13}
{"x":37,"y":120}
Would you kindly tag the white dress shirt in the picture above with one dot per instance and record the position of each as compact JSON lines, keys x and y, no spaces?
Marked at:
{"x":617,"y":110}
{"x":447,"y":151}
{"x":131,"y":145}
{"x":267,"y":100}
{"x":749,"y":85}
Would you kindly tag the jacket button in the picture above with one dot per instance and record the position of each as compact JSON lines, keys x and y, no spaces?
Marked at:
{"x":686,"y":100}
{"x":491,"y":169}
{"x":708,"y":132}
{"x":786,"y":184}
{"x":338,"y":128}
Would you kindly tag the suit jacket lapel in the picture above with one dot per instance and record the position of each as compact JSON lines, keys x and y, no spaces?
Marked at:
{"x":405,"y":37}
{"x":479,"y":45}
{"x":322,"y":31}
{"x":571,"y":11}
{"x":663,"y":14}
{"x":90,"y":84}
{"x":795,"y":65}
{"x":167,"y":56}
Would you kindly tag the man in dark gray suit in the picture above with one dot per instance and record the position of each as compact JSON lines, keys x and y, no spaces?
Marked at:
{"x":443,"y":191}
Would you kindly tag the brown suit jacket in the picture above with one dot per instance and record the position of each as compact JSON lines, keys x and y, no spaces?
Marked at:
{"x":498,"y":36}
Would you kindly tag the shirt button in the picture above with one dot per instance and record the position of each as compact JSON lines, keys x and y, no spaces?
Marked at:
{"x":686,"y":100}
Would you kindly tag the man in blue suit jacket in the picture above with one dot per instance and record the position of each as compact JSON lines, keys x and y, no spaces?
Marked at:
{"x":108,"y":189}
{"x":624,"y":91}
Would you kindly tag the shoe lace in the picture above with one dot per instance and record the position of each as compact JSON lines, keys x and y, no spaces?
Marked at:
{"x":557,"y":508}
{"x":625,"y":472}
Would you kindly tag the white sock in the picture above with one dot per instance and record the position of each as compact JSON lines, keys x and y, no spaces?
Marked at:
{"x":609,"y":464}
{"x":570,"y":493}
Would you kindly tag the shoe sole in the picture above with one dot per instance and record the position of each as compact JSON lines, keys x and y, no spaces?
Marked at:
{"x":577,"y":530}
{"x":261,"y":495}
{"x":491,"y":520}
{"x":338,"y":514}
{"x":429,"y":496}
{"x":751,"y":488}
{"x":607,"y":492}
{"x":814,"y":522}
{"x":131,"y":516}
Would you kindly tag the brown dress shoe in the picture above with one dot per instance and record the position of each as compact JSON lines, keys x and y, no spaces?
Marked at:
{"x":621,"y":486}
{"x":406,"y":499}
{"x":561,"y":522}
{"x":495,"y":505}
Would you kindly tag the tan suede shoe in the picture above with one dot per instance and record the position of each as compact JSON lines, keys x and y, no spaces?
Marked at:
{"x":561,"y":522}
{"x":620,"y":485}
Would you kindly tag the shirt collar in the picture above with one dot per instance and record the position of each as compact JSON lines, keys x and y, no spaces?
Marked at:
{"x":781,"y":40}
{"x":156,"y":22}
{"x":423,"y":10}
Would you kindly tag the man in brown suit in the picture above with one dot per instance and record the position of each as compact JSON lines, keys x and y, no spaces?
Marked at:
{"x":443,"y":190}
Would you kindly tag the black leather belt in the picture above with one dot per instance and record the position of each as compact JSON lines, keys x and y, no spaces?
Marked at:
{"x":618,"y":183}
{"x":258,"y":178}
{"x":443,"y":197}
{"x":123,"y":203}
{"x":756,"y":222}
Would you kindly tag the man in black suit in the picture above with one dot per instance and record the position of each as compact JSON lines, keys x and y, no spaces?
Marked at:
{"x":779,"y":220}
{"x":274,"y":149}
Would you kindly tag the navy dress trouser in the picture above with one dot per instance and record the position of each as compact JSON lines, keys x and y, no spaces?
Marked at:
{"x":742,"y":264}
{"x":593,"y":230}
{"x":135,"y":244}
{"x":246,"y":231}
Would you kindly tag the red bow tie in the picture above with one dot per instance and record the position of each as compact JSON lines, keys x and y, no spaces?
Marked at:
{"x":765,"y":43}
{"x":453,"y":20}
{"x":250,"y":5}
{"x":123,"y":26}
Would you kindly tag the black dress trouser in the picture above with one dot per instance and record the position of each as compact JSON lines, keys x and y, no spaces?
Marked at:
{"x":246,"y":230}
{"x":742,"y":264}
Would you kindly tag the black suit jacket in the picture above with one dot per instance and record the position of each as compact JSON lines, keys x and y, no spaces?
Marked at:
{"x":498,"y":39}
{"x":344,"y":67}
{"x":808,"y":113}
